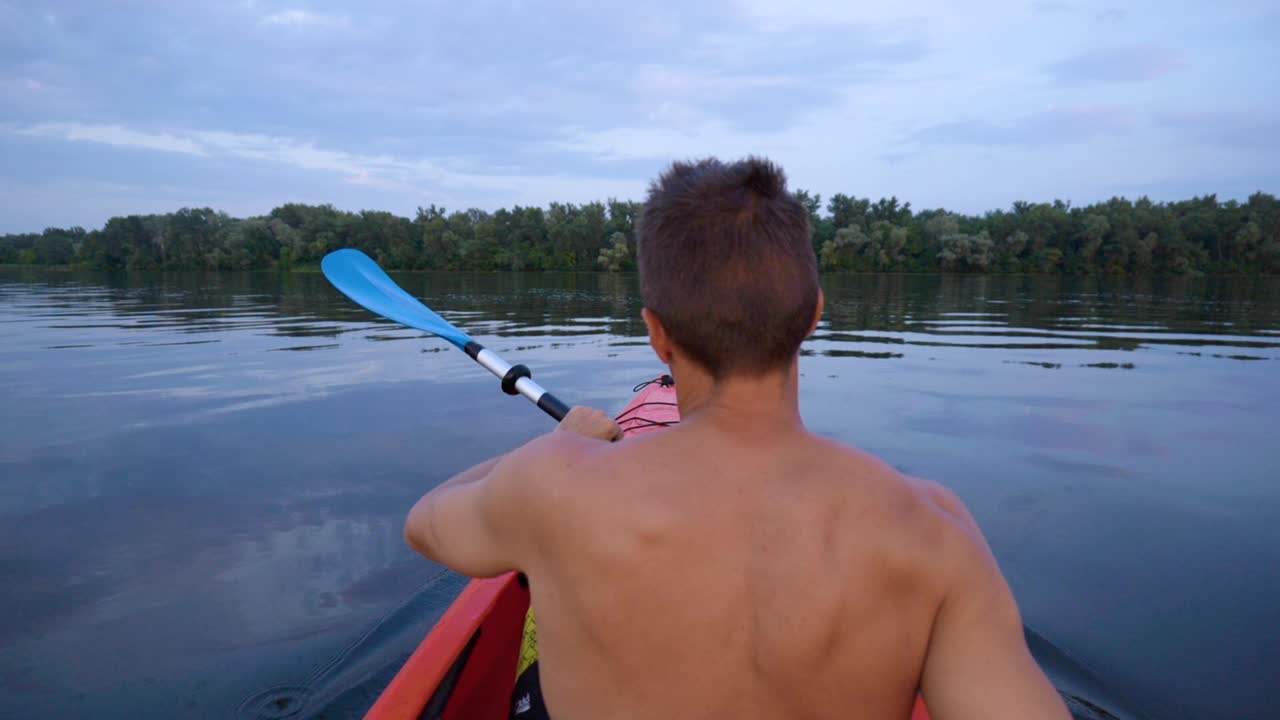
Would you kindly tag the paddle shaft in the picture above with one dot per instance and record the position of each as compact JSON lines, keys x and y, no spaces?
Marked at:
{"x":516,"y":380}
{"x":358,"y":277}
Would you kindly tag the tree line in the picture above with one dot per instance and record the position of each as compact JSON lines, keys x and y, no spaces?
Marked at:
{"x":1200,"y":235}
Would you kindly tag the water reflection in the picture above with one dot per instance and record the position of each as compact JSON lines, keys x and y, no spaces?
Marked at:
{"x":204,"y":476}
{"x":959,"y":311}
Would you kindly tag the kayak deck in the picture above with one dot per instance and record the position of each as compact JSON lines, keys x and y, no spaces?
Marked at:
{"x":465,"y":669}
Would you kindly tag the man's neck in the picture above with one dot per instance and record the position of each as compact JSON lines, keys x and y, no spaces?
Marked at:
{"x":768,"y":402}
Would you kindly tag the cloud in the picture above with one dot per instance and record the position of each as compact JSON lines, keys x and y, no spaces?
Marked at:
{"x":659,"y":143}
{"x":897,"y":157}
{"x":114,"y":135}
{"x":1138,"y":63}
{"x":476,"y":78}
{"x":753,"y":83}
{"x":379,"y":170}
{"x":303,"y":19}
{"x":775,"y":17}
{"x":385,"y":172}
{"x":382,"y":171}
{"x":1051,"y":7}
{"x":1240,"y":130}
{"x":1056,"y":126}
{"x":390,"y":103}
{"x":1054,"y":7}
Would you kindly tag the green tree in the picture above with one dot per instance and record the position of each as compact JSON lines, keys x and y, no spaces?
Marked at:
{"x":820,"y":229}
{"x":1008,"y":251}
{"x":848,"y":211}
{"x":616,"y":255}
{"x":964,"y":252}
{"x":56,"y":246}
{"x":941,"y":226}
{"x":1118,"y":236}
{"x":1096,"y":227}
{"x":850,"y":249}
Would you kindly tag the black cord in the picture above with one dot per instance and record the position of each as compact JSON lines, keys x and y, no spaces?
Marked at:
{"x":639,"y":423}
{"x":664,"y":380}
{"x":627,"y":414}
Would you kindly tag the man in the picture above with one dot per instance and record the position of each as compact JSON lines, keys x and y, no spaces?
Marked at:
{"x":737,"y":565}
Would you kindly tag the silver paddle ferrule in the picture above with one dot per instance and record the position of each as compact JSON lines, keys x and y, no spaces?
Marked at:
{"x":496,"y":365}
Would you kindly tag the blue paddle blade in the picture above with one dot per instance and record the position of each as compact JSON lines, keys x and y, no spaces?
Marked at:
{"x":360,"y":278}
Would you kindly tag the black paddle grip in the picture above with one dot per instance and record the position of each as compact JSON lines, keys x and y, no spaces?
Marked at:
{"x":552,"y":406}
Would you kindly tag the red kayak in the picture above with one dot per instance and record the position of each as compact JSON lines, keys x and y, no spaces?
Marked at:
{"x":467,"y":667}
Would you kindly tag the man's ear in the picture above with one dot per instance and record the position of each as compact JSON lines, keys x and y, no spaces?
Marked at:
{"x":817,"y":314}
{"x":659,"y":340}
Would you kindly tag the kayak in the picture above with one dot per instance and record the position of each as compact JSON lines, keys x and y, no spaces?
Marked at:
{"x":471,"y":662}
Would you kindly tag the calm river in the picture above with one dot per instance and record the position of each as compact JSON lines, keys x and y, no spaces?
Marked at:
{"x":203,"y":478}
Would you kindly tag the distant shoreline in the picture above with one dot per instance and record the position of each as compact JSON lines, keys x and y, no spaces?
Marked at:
{"x":315,"y":270}
{"x":848,"y":234}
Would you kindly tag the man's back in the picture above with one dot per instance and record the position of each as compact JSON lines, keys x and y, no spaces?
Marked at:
{"x":699,"y":573}
{"x":737,"y":566}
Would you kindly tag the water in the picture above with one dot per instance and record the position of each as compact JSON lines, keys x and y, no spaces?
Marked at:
{"x":203,"y":478}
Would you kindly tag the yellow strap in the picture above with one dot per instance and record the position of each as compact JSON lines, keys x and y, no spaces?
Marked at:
{"x":529,"y":645}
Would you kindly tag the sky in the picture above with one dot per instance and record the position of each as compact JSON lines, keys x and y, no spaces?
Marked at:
{"x":139,"y":107}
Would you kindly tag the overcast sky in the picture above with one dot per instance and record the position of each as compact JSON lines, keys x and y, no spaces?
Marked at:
{"x":110,"y":108}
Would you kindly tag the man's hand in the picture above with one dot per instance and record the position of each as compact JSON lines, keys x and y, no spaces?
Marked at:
{"x":590,"y":423}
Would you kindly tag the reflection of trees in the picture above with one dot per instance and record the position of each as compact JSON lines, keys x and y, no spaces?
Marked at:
{"x":1103,"y":309}
{"x":574,"y":304}
{"x":577,"y":304}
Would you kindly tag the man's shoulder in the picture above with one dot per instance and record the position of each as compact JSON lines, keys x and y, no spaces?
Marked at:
{"x":540,"y":473}
{"x":930,"y":496}
{"x":918,"y":512}
{"x":953,"y":545}
{"x":862,"y":472}
{"x":559,"y":451}
{"x":564,"y":470}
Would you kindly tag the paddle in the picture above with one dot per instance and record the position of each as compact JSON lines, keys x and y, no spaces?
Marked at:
{"x":358,"y":277}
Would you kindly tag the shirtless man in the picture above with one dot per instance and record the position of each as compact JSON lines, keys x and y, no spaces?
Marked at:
{"x":737,"y":565}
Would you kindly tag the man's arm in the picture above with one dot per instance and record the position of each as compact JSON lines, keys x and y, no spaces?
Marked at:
{"x":477,"y":523}
{"x":463,"y":523}
{"x":978,"y":664}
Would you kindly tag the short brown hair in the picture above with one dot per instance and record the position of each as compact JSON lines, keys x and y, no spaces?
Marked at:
{"x":727,"y":265}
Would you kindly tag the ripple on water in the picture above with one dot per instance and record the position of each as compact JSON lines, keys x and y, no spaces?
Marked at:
{"x":274,"y":703}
